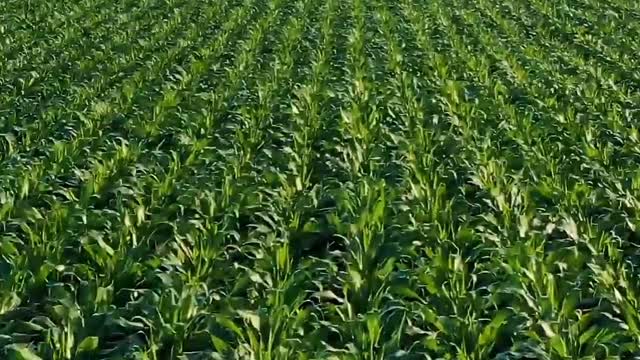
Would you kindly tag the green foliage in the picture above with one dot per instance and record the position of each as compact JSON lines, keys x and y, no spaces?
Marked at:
{"x":356,"y":179}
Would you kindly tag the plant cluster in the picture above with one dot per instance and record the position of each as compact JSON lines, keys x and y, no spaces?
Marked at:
{"x":337,"y":179}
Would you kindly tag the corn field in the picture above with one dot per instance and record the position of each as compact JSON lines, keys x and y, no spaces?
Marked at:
{"x":307,"y":179}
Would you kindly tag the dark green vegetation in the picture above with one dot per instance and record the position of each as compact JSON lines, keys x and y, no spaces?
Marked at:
{"x":335,"y":179}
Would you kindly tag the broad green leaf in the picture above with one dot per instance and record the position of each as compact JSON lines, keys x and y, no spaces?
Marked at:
{"x":87,"y":344}
{"x":21,"y":352}
{"x":490,"y":331}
